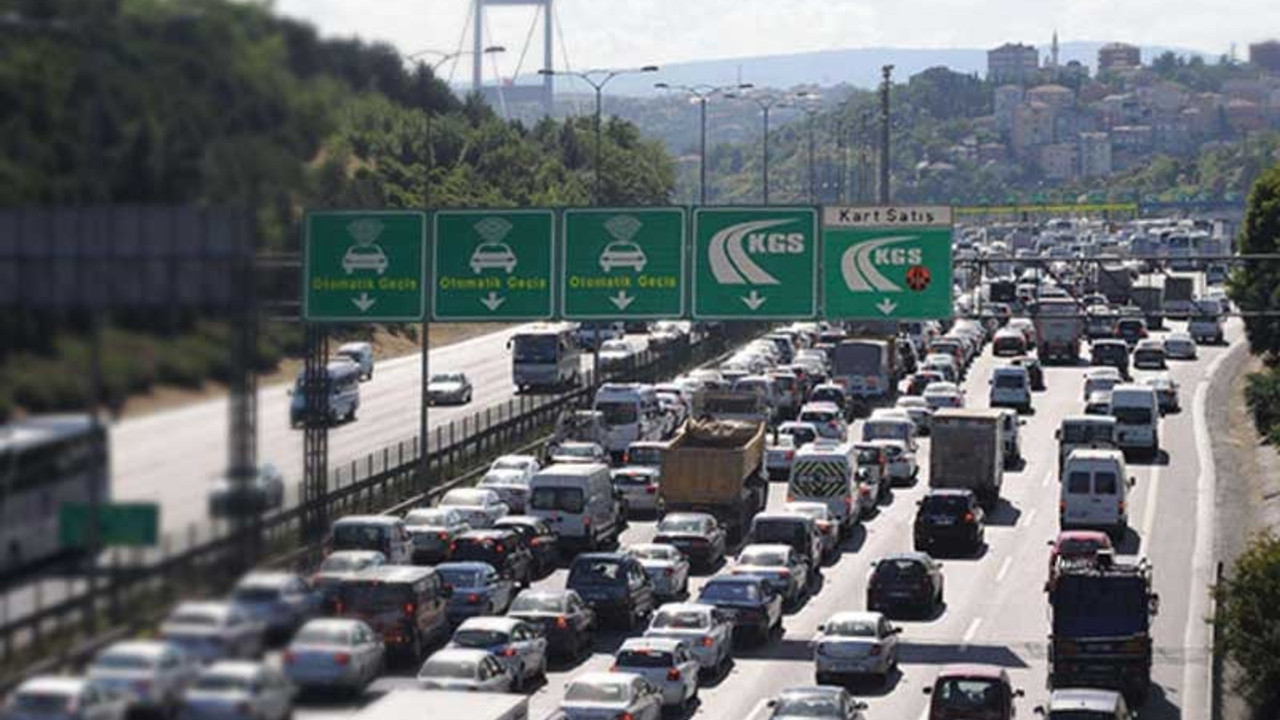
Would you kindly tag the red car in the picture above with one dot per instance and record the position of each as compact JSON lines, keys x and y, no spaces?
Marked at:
{"x":1076,"y":545}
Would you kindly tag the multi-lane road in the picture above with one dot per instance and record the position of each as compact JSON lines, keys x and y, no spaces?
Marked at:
{"x":996,"y":611}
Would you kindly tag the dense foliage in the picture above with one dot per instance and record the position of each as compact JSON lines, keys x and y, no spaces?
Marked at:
{"x":222,"y":103}
{"x":1249,"y":623}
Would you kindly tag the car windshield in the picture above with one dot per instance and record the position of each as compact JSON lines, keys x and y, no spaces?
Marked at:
{"x":222,"y":682}
{"x":807,"y":706}
{"x":447,"y":378}
{"x":595,"y":572}
{"x":945,"y":504}
{"x":968,"y":694}
{"x":763,"y":558}
{"x":193,"y":617}
{"x":732,"y":592}
{"x":460,"y":576}
{"x":479,"y":639}
{"x":654,"y":553}
{"x":618,"y":413}
{"x":681,"y":525}
{"x":533,"y":603}
{"x":123,"y":661}
{"x":596,"y":693}
{"x":374,"y":596}
{"x":428,"y":517}
{"x":892,"y":569}
{"x":359,"y":537}
{"x":39,"y":703}
{"x":1132,"y":415}
{"x":535,"y":349}
{"x":449,"y":668}
{"x":1005,"y":380}
{"x":1080,"y":546}
{"x":644,"y":456}
{"x":1083,"y":433}
{"x":644,"y":659}
{"x":323,"y":635}
{"x":852,"y":628}
{"x":255,"y":595}
{"x":680,"y":620}
{"x":568,"y":500}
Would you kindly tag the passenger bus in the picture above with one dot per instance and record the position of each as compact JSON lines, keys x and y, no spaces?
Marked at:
{"x":45,"y":461}
{"x":545,"y":356}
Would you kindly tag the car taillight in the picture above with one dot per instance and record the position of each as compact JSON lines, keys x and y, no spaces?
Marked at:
{"x":784,"y":573}
{"x":626,"y":716}
{"x":337,"y":608}
{"x":243,"y":708}
{"x":669,"y":572}
{"x":508,"y":652}
{"x":651,"y":489}
{"x":875,"y":649}
{"x":790,"y":454}
{"x":315,"y":578}
{"x":586,"y":521}
{"x":790,"y":497}
{"x":1120,"y":506}
{"x":613,"y":667}
{"x":341,"y":658}
{"x":501,"y":548}
{"x":707,"y":641}
{"x":562,"y":623}
{"x":968,"y":517}
{"x":473,"y":599}
{"x":444,"y":536}
{"x":864,"y":490}
{"x":673,"y":674}
{"x":410,"y":609}
{"x":1062,"y":507}
{"x":289,"y":657}
{"x":848,"y":503}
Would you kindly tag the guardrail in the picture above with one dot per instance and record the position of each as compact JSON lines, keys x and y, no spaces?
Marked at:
{"x":136,"y":589}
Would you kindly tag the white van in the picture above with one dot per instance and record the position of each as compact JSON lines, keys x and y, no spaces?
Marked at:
{"x":1094,"y":491}
{"x":825,"y":471}
{"x":631,"y":414}
{"x":1011,"y":387}
{"x":1136,"y":409}
{"x":890,"y":424}
{"x":342,"y":384}
{"x":577,"y":501}
{"x":763,"y":387}
{"x":1084,"y":432}
{"x":386,"y":534}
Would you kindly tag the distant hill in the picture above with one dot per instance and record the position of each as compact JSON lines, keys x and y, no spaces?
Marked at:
{"x":859,"y":67}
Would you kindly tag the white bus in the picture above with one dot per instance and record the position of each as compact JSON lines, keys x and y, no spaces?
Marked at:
{"x":545,"y":356}
{"x":45,"y":461}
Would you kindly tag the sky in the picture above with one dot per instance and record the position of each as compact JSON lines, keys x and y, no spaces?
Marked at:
{"x":621,"y":33}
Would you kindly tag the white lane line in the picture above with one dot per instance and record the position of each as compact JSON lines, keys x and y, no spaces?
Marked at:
{"x":925,"y":715}
{"x":1149,"y":508}
{"x":970,"y":634}
{"x":1030,"y":516}
{"x":1197,"y":635}
{"x":1004,"y":569}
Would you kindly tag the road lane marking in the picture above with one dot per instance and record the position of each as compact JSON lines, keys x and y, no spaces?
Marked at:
{"x":1004,"y":569}
{"x":1044,"y":482}
{"x":970,"y":634}
{"x":1149,"y":508}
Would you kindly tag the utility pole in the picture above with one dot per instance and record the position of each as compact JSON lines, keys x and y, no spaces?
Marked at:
{"x":701,"y":94}
{"x":886,"y":72}
{"x":864,"y":158}
{"x":765,"y":103}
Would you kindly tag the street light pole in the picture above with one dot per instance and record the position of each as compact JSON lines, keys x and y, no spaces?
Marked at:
{"x":885,"y":87}
{"x":765,"y":103}
{"x":703,"y":93}
{"x":811,"y":110}
{"x":442,"y":58}
{"x":597,"y":79}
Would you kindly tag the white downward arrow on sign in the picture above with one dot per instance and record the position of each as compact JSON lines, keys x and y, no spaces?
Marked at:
{"x":364,"y":302}
{"x":886,"y":306}
{"x":754,"y":300}
{"x":492,"y":301}
{"x":621,"y":300}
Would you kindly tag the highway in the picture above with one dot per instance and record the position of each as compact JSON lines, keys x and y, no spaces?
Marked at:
{"x":996,"y":611}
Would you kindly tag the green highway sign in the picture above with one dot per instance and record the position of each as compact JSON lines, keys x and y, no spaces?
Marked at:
{"x":755,"y":263}
{"x":886,"y":263}
{"x":364,"y":266}
{"x":131,"y":524}
{"x":623,"y":263}
{"x":493,"y":265}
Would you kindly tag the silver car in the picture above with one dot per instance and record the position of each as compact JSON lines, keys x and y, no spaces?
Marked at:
{"x":281,"y":600}
{"x":828,"y":524}
{"x":780,"y":566}
{"x":339,"y":566}
{"x":855,"y":643}
{"x":151,"y":674}
{"x":63,"y":698}
{"x":509,"y":476}
{"x":638,"y":486}
{"x":257,"y":494}
{"x":335,"y":653}
{"x":519,"y":646}
{"x":666,"y":567}
{"x":707,"y":630}
{"x":449,"y":388}
{"x":210,"y":631}
{"x":479,"y":507}
{"x":238,"y":690}
{"x":666,"y":663}
{"x":464,"y":669}
{"x":597,"y":695}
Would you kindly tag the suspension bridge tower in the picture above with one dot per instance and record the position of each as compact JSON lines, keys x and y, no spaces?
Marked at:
{"x":502,"y":93}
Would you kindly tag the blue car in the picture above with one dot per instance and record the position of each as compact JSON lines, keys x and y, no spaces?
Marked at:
{"x":475,"y":588}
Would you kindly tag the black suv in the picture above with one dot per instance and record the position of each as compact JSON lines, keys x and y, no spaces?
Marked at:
{"x":1110,"y":353}
{"x":948,"y":519}
{"x":505,"y":550}
{"x":615,"y":585}
{"x":567,"y":621}
{"x":538,"y":537}
{"x":906,"y":580}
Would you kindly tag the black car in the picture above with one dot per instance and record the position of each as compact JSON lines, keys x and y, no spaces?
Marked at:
{"x":1131,"y":330}
{"x":697,"y":535}
{"x":1110,"y":353}
{"x":568,"y":622}
{"x":749,"y":600}
{"x":907,"y":580}
{"x":615,"y":585}
{"x":947,"y":519}
{"x":503,"y":549}
{"x":906,"y":355}
{"x":1035,"y":371}
{"x":538,"y":537}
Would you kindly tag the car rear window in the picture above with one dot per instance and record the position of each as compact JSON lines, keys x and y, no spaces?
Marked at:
{"x":1010,"y":381}
{"x":644,"y":659}
{"x":820,"y":417}
{"x":375,"y":596}
{"x":460,"y":577}
{"x":595,"y":572}
{"x":38,"y":703}
{"x":732,"y":592}
{"x":359,"y":537}
{"x":893,"y":569}
{"x":945,"y":504}
{"x":680,"y":620}
{"x":1104,"y":483}
{"x":479,"y":639}
{"x":1078,"y":483}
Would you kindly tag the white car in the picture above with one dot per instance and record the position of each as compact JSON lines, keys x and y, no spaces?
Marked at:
{"x":903,"y":466}
{"x":480,"y":507}
{"x":238,"y":690}
{"x":666,"y":566}
{"x":152,"y":674}
{"x":638,"y":485}
{"x":464,"y":669}
{"x":666,"y":663}
{"x":47,"y":697}
{"x":335,"y":653}
{"x":827,"y":418}
{"x":855,"y":643}
{"x":917,"y":408}
{"x":828,"y":524}
{"x":1206,"y":329}
{"x":574,"y":451}
{"x":708,"y":631}
{"x":509,"y":476}
{"x":1099,"y":379}
{"x":780,"y":566}
{"x":281,"y":600}
{"x":616,"y":353}
{"x":1179,"y":346}
{"x":941,"y":395}
{"x":597,"y":695}
{"x":211,"y":631}
{"x":452,"y":388}
{"x":519,"y":646}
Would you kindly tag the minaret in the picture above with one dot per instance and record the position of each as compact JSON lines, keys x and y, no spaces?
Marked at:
{"x":1053,"y":53}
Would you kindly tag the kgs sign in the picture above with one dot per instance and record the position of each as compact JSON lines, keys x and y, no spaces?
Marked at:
{"x":887,"y":263}
{"x":755,"y":263}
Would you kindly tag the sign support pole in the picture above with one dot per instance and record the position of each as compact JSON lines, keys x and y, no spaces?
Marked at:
{"x":315,"y":441}
{"x":424,"y":463}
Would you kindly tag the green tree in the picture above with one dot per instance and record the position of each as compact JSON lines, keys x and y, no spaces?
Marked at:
{"x":1249,"y":623}
{"x":1255,"y":286}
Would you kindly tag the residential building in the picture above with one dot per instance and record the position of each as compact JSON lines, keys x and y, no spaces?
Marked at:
{"x":1013,"y":63}
{"x":1055,"y":96}
{"x":1095,"y":154}
{"x":1032,"y":127}
{"x":1265,"y":55}
{"x":1245,"y":116}
{"x":1117,"y":56}
{"x":1059,"y":161}
{"x":1008,"y":98}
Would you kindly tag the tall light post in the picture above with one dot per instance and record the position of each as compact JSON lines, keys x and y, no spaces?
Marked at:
{"x":597,"y":79}
{"x":701,"y":94}
{"x":810,"y":109}
{"x":442,"y":57}
{"x":765,"y":103}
